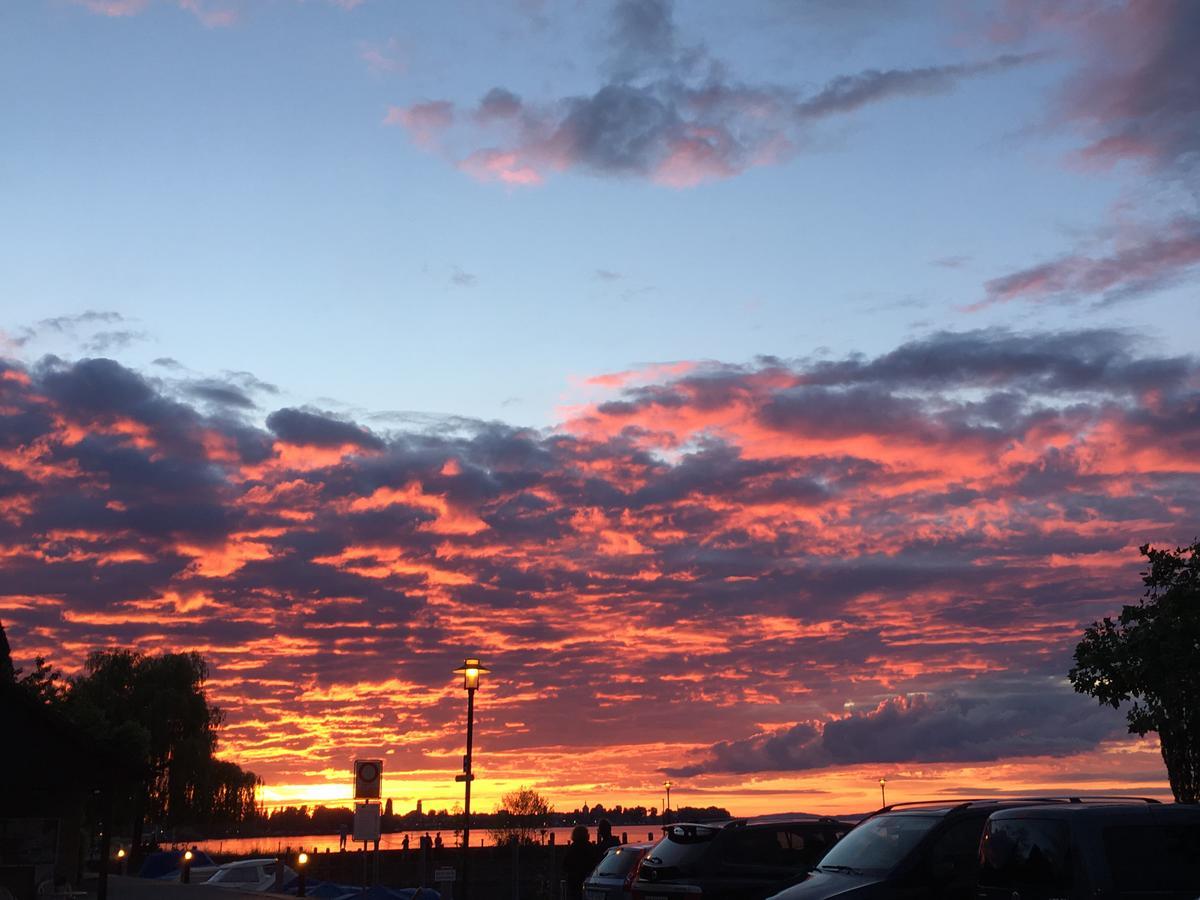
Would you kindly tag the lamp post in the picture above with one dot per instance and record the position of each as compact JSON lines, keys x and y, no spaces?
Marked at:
{"x":883,"y":792}
{"x":667,"y":805}
{"x":470,"y":671}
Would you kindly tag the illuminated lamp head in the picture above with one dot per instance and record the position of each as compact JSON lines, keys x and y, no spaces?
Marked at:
{"x":302,"y":859}
{"x":470,"y":670}
{"x":187,"y":855}
{"x":120,"y":853}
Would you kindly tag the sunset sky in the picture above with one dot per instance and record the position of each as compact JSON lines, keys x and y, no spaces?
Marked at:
{"x":769,"y":392}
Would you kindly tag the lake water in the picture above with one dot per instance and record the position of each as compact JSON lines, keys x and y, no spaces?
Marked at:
{"x":270,"y":846}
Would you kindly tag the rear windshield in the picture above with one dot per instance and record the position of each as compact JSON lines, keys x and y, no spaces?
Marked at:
{"x":1025,"y":855}
{"x":618,"y":861}
{"x":682,"y":848}
{"x":881,"y":843}
{"x":1154,"y":857}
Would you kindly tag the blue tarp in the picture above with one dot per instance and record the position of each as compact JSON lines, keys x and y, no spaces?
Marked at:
{"x":166,"y":862}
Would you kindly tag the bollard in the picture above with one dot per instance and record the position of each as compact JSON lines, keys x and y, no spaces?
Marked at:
{"x":516,"y":870}
{"x":185,"y":875}
{"x":301,"y":866}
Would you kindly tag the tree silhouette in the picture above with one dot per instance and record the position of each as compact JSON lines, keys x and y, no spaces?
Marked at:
{"x":521,"y":816}
{"x":1151,"y":656}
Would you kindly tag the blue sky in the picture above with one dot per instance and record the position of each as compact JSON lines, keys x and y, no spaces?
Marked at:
{"x":231,"y":190}
{"x":909,"y":293}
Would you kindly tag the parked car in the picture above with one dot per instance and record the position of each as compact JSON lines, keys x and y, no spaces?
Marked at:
{"x":1097,"y":851}
{"x":612,"y":879}
{"x":167,"y":865}
{"x":249,"y":875}
{"x":739,"y":860}
{"x":911,"y":850}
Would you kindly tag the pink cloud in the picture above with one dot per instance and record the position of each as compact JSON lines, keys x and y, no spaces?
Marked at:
{"x":424,"y":121}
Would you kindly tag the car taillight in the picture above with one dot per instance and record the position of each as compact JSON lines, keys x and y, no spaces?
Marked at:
{"x":632,"y":876}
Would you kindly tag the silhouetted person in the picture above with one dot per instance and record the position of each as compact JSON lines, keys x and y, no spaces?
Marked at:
{"x":578,"y":861}
{"x":343,"y":833}
{"x":404,"y":843}
{"x":437,"y":841}
{"x":604,"y":837}
{"x":427,"y":841}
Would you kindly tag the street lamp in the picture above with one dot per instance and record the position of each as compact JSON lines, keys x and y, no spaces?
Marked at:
{"x":186,"y":875}
{"x":470,"y":670}
{"x":667,"y":806}
{"x":883,"y":792}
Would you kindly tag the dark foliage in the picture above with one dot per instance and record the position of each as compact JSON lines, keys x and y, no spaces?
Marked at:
{"x":1150,"y":657}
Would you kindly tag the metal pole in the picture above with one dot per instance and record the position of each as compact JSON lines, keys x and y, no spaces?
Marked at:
{"x":466,"y":863}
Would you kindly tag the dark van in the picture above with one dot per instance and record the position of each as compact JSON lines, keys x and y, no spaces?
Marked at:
{"x":1101,"y":852}
{"x":908,"y":851}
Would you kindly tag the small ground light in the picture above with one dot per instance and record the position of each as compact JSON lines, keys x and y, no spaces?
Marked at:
{"x":120,"y":853}
{"x":301,"y":862}
{"x":187,"y":854}
{"x":186,"y":875}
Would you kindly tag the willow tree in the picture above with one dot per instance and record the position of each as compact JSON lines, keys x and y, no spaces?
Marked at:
{"x":1149,"y":657}
{"x":154,"y":709}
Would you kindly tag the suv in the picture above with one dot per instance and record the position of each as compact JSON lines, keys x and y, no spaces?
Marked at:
{"x":739,"y":860}
{"x":908,"y":850}
{"x":1094,"y":851}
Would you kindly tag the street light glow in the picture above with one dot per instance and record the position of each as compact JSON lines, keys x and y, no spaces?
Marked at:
{"x":302,"y":859}
{"x":470,"y":670}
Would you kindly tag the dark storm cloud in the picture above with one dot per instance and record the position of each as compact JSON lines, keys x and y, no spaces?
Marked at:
{"x":300,"y":426}
{"x":222,"y":394}
{"x":1134,"y":96}
{"x":1152,"y":263}
{"x":1034,"y":719}
{"x":666,"y":112}
{"x":847,"y":93}
{"x":782,"y":521}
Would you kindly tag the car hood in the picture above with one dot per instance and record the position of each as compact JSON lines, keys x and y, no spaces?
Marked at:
{"x":828,"y":885}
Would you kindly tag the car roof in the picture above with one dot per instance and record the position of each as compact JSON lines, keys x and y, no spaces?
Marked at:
{"x":762,"y":822}
{"x":632,"y":845}
{"x":243,"y":863}
{"x":946,"y":807}
{"x":1108,"y":808}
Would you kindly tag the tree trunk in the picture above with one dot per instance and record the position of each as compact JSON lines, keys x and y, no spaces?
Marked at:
{"x":139,"y":813}
{"x":1180,"y":747}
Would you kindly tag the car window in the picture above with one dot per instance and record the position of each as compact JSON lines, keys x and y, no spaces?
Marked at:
{"x":682,"y":848}
{"x":881,"y":843}
{"x":1153,"y":858}
{"x":958,"y":844}
{"x":810,"y":844}
{"x":618,"y":861}
{"x":764,"y":847}
{"x":1026,"y":855}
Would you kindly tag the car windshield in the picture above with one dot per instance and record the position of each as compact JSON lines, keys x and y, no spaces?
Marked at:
{"x":879,"y":844}
{"x":618,"y":861}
